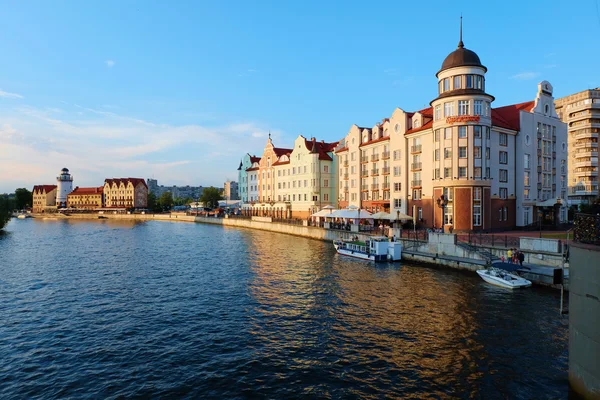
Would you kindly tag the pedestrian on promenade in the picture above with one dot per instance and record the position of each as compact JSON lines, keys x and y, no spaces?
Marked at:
{"x":509,"y":256}
{"x":521,"y":257}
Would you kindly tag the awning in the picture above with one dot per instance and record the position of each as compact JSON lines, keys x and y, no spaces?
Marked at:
{"x":549,"y":203}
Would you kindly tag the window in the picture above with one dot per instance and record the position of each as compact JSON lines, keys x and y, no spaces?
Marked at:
{"x":526,"y":161}
{"x":526,"y":194}
{"x":448,"y":133}
{"x":479,"y":82}
{"x":477,"y":193}
{"x":447,"y":172}
{"x":396,"y":171}
{"x":477,"y":151}
{"x":503,"y":193}
{"x":438,"y":112}
{"x":469,"y":81}
{"x":487,"y":132}
{"x":503,"y":139}
{"x":448,"y":152}
{"x":526,"y":178}
{"x":505,"y":212}
{"x":526,"y":214}
{"x":503,"y":175}
{"x":462,"y":172}
{"x":487,"y":108}
{"x":396,"y":155}
{"x":326,"y":169}
{"x":325,"y":183}
{"x":457,"y":82}
{"x":462,"y":131}
{"x":463,"y":107}
{"x":487,"y":153}
{"x":487,"y":172}
{"x":477,"y":131}
{"x":477,"y":172}
{"x":477,"y":214}
{"x":416,"y":194}
{"x":397,"y":203}
{"x":478,"y":107}
{"x":436,"y":154}
{"x":503,"y":157}
{"x":397,"y":186}
{"x":448,"y":194}
{"x":436,"y":135}
{"x":420,"y":213}
{"x":448,"y":215}
{"x":446,"y":84}
{"x":462,"y":152}
{"x":436,"y":173}
{"x":448,"y":109}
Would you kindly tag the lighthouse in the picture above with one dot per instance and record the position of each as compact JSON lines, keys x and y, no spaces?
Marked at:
{"x":64,"y":186}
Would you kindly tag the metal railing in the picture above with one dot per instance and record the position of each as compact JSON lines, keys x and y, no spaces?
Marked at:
{"x":416,"y":183}
{"x":385,"y":155}
{"x":375,"y":171}
{"x":375,"y":157}
{"x":416,"y":165}
{"x":385,"y":170}
{"x":488,"y":240}
{"x":416,"y":149}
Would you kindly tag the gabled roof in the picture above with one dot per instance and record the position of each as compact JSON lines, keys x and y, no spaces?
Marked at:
{"x":381,"y":139}
{"x":345,"y":148}
{"x":118,"y":181}
{"x":320,"y":148}
{"x":44,"y":188}
{"x":509,"y":117}
{"x":86,"y":190}
{"x":276,"y":163}
{"x":254,"y":159}
{"x":252,"y":169}
{"x":426,"y":112}
{"x":281,"y":151}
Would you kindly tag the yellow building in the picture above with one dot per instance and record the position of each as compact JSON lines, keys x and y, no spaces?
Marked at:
{"x":85,"y":198}
{"x":125,"y":193}
{"x":44,"y":197}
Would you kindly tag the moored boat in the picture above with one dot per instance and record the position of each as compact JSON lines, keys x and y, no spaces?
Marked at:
{"x":502,"y":278}
{"x":377,"y":248}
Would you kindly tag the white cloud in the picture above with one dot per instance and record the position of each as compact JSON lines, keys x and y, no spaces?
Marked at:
{"x":523,"y":76}
{"x":110,"y":63}
{"x":9,"y":95}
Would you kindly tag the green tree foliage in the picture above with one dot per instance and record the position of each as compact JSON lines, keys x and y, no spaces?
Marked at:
{"x":153,"y":203}
{"x":210,"y":197}
{"x":6,"y":207}
{"x":23,"y":198}
{"x":166,"y":201}
{"x":180,"y":201}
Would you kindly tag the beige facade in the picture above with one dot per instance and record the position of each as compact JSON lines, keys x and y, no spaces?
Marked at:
{"x":86,"y":198}
{"x":44,"y":198}
{"x":125,"y":193}
{"x":581,"y":113}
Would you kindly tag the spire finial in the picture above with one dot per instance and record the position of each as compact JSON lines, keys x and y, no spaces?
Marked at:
{"x":269,"y":134}
{"x":460,"y":43}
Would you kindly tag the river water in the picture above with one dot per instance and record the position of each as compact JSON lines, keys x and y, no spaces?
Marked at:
{"x":107,"y":309}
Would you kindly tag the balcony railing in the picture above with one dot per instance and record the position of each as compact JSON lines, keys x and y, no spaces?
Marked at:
{"x":346,"y":163}
{"x":416,"y":149}
{"x":345,"y":176}
{"x":385,"y":170}
{"x":375,"y":157}
{"x":375,"y":186}
{"x":416,"y":166}
{"x":386,"y":186}
{"x":416,"y":183}
{"x":364,"y":159}
{"x":364,"y":173}
{"x":365,"y":188}
{"x":587,"y":229}
{"x":385,"y":155}
{"x":374,"y":171}
{"x":345,"y":188}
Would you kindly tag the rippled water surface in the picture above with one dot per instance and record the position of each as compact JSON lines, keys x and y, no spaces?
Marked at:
{"x":104,"y":309}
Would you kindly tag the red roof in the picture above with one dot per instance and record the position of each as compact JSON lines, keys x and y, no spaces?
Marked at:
{"x":345,"y":148}
{"x":280,"y":151}
{"x":509,"y":117}
{"x":87,"y":190}
{"x":280,"y":163}
{"x":118,"y":181}
{"x":381,"y":139}
{"x":44,"y":188}
{"x":321,"y":147}
{"x":426,"y":112}
{"x":252,"y":169}
{"x":428,"y":125}
{"x":254,"y":159}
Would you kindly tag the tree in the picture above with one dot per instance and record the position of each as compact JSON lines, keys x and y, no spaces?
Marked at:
{"x":23,"y":198}
{"x":166,"y":201}
{"x":153,"y":203}
{"x":6,"y":207}
{"x":210,"y":197}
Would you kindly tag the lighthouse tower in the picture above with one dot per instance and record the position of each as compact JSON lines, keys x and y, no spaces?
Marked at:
{"x":64,"y":186}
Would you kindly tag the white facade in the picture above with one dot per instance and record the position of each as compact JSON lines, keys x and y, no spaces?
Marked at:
{"x":64,"y":186}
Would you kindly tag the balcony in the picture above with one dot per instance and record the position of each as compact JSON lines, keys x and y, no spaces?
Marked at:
{"x":346,"y":188}
{"x":416,"y":149}
{"x":386,"y":186}
{"x":375,"y":157}
{"x":375,"y":171}
{"x":385,"y":155}
{"x":375,"y":186}
{"x":415,"y":184}
{"x":364,"y":173}
{"x":345,"y":177}
{"x":416,"y":166}
{"x":365,"y":188}
{"x":385,"y":170}
{"x":364,"y":159}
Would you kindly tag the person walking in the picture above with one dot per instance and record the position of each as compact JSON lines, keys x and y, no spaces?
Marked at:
{"x":509,"y":256}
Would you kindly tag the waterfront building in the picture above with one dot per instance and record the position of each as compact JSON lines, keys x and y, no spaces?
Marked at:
{"x":252,"y":179}
{"x":581,"y":113}
{"x":86,"y":198}
{"x":243,"y":185}
{"x":125,"y":193}
{"x":44,"y":198}
{"x":178,"y":192}
{"x":305,"y":179}
{"x":64,"y":186}
{"x":459,"y":163}
{"x":230,"y":190}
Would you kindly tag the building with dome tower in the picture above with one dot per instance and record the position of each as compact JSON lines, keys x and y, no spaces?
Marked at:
{"x":460,"y":163}
{"x":64,"y":186}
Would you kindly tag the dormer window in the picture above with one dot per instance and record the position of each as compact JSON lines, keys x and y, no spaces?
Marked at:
{"x":416,"y":123}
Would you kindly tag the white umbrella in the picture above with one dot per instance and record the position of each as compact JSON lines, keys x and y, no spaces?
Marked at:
{"x":352,"y":214}
{"x":329,"y":207}
{"x":323,"y":213}
{"x":391,"y":217}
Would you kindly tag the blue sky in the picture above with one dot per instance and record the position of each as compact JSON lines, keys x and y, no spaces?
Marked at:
{"x":181,"y":90}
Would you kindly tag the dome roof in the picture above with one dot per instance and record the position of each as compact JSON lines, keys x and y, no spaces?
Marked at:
{"x":64,"y":170}
{"x":461,"y":57}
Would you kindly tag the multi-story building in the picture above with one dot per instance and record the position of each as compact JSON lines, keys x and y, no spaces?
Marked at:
{"x":581,"y":113}
{"x":231,"y":190}
{"x":266,"y":177}
{"x":252,"y":179}
{"x":178,"y":192}
{"x":44,"y":198}
{"x":125,"y":193}
{"x":461,"y":164}
{"x":89,"y":198}
{"x":245,"y":163}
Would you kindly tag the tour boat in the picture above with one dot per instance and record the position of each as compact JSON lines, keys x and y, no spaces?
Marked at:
{"x":500,"y":277}
{"x":377,"y":248}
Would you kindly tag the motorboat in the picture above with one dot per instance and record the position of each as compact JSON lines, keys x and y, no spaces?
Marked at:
{"x":502,"y":278}
{"x":376,"y":248}
{"x":23,"y":216}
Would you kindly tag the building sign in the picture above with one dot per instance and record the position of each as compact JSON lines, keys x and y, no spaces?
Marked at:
{"x":463,"y":118}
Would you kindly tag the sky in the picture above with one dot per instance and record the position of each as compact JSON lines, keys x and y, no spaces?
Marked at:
{"x":179,"y":91}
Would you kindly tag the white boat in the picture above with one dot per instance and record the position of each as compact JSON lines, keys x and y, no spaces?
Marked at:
{"x":23,"y":216}
{"x":377,"y":248}
{"x":500,"y":277}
